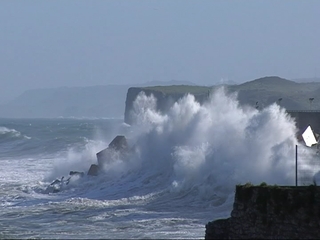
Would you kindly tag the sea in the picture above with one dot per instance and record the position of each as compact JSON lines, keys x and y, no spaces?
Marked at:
{"x":181,"y":175}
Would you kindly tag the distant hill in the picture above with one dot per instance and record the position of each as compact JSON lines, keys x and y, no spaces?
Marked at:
{"x":306,"y":80}
{"x":267,"y":90}
{"x":95,"y":101}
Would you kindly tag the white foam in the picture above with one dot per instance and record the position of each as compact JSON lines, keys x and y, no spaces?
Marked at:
{"x":217,"y":144}
{"x":202,"y":150}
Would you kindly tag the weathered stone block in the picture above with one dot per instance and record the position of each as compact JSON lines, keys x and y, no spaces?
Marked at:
{"x":93,"y":170}
{"x":117,"y":148}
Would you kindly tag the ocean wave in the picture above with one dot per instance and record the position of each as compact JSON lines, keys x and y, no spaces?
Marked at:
{"x":196,"y":153}
{"x":11,"y":133}
{"x":193,"y":155}
{"x":183,"y":169}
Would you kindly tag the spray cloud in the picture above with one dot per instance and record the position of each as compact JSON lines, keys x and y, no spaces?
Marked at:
{"x":218,"y":143}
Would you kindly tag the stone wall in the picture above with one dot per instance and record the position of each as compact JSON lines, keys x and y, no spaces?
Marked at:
{"x":270,"y":212}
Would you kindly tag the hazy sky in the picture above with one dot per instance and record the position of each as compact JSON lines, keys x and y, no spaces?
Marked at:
{"x":82,"y":43}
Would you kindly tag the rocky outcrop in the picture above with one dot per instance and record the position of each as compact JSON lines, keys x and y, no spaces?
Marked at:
{"x":118,"y":148}
{"x":93,"y":170}
{"x":270,"y":212}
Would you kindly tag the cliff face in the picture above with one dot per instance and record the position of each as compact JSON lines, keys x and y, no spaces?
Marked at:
{"x":164,"y":100}
{"x":131,"y":97}
{"x":267,"y":212}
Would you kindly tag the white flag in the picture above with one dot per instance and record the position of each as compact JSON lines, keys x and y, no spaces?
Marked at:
{"x":309,"y":137}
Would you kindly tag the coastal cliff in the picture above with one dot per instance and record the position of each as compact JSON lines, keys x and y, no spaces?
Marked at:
{"x":270,"y":212}
{"x":258,"y":93}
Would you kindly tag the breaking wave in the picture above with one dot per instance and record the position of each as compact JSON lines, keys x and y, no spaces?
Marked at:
{"x":218,"y":144}
{"x":8,"y":134}
{"x":182,"y":172}
{"x":203,"y":151}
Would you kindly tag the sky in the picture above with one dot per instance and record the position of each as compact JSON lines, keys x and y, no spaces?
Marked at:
{"x":45,"y":44}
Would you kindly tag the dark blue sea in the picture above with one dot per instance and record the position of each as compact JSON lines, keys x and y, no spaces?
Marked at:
{"x":181,"y":174}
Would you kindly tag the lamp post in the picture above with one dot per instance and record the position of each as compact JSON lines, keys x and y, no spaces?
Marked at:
{"x":296,"y":165}
{"x":311,"y":100}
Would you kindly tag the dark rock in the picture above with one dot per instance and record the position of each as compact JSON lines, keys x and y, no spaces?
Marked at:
{"x":57,"y":181}
{"x":118,"y":146}
{"x":119,"y":143}
{"x":55,"y":186}
{"x":72,"y":173}
{"x":217,"y":229}
{"x":93,"y":170}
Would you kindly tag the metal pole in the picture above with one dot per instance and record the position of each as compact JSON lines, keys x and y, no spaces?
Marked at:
{"x":296,"y":165}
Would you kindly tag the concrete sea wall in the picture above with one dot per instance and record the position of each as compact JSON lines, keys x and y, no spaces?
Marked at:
{"x":270,"y":212}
